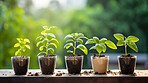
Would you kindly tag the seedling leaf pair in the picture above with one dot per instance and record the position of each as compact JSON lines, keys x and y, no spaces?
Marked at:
{"x":100,"y":45}
{"x":129,"y":41}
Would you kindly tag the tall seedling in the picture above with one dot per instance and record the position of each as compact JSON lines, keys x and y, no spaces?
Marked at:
{"x":22,"y":46}
{"x":75,"y":40}
{"x":47,"y":41}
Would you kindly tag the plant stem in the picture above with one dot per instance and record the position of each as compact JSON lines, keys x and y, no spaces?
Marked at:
{"x":125,"y":48}
{"x":46,"y":50}
{"x":21,"y":51}
{"x":99,"y":54}
{"x":74,"y":47}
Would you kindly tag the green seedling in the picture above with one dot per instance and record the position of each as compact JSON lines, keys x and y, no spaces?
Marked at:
{"x":129,"y":41}
{"x":75,"y":40}
{"x":22,"y":44}
{"x":47,"y":41}
{"x":100,"y":45}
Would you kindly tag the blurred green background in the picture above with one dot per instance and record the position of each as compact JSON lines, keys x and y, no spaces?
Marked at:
{"x":102,"y":18}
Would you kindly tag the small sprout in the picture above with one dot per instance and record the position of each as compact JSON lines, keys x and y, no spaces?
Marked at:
{"x":75,"y":40}
{"x":22,"y":44}
{"x":47,"y":41}
{"x":129,"y":41}
{"x":100,"y":45}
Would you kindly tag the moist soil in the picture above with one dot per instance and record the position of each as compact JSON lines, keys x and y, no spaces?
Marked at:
{"x":20,"y":65}
{"x":47,"y":64}
{"x":127,"y":64}
{"x":74,"y":64}
{"x":98,"y":55}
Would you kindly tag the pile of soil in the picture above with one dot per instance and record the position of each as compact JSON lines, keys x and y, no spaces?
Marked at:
{"x":33,"y":74}
{"x":95,"y":55}
{"x":128,"y":55}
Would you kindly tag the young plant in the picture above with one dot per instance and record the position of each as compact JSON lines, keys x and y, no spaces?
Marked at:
{"x":129,"y":41}
{"x":75,"y":41}
{"x":22,"y":44}
{"x":47,"y":40}
{"x":100,"y":45}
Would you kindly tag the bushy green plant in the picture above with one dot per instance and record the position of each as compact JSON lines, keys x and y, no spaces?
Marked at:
{"x":100,"y":45}
{"x":75,"y":40}
{"x":127,"y":41}
{"x":47,"y":41}
{"x":22,"y":44}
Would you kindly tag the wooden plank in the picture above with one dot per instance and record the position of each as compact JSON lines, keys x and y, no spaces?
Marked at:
{"x":7,"y":76}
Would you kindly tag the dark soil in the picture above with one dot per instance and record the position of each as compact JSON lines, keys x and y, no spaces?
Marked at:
{"x":128,"y":55}
{"x":47,"y":64}
{"x":74,"y":64}
{"x":20,"y":65}
{"x":98,"y":55}
{"x":127,"y":64}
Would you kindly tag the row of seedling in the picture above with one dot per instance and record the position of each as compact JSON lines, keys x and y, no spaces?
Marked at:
{"x":47,"y":42}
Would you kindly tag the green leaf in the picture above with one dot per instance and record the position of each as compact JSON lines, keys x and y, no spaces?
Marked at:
{"x":51,"y":50}
{"x":41,"y":48}
{"x":104,"y":47}
{"x":27,"y":40}
{"x":19,"y":39}
{"x":133,"y":46}
{"x":40,"y":37}
{"x":89,"y":41}
{"x":80,"y":35}
{"x":103,"y":40}
{"x":52,"y":35}
{"x":93,"y":47}
{"x":80,"y":41}
{"x":69,"y":51}
{"x":54,"y":40}
{"x":16,"y":53}
{"x":45,"y":27}
{"x":83,"y":48}
{"x":24,"y":49}
{"x":68,"y":45}
{"x":53,"y":44}
{"x":70,"y":40}
{"x":17,"y":45}
{"x":38,"y":43}
{"x":96,"y":40}
{"x":44,"y":41}
{"x":43,"y":32}
{"x":110,"y":44}
{"x":27,"y":46}
{"x":68,"y":36}
{"x":120,"y":43}
{"x":119,"y":36}
{"x":99,"y":48}
{"x":132,"y":39}
{"x":41,"y":53}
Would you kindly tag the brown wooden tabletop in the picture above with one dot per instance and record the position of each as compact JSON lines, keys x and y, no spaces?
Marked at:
{"x":61,"y":76}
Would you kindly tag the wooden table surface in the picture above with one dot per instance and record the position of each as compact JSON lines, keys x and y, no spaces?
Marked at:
{"x":61,"y":76}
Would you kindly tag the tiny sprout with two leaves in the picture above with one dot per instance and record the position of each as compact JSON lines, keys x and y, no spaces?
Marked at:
{"x":75,"y":40}
{"x":22,"y":44}
{"x":47,"y":40}
{"x":129,"y":41}
{"x":100,"y":45}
